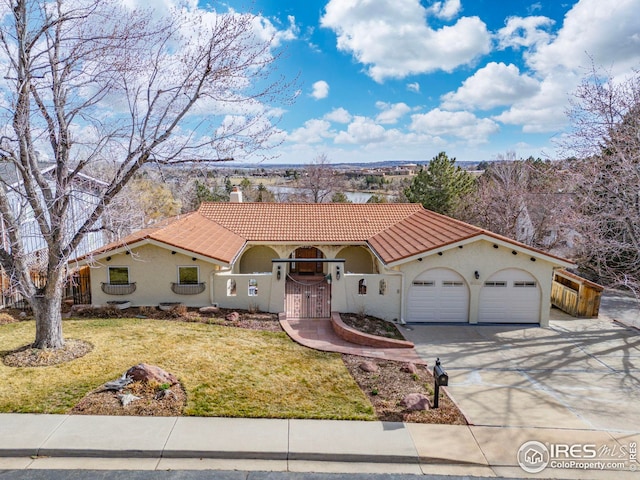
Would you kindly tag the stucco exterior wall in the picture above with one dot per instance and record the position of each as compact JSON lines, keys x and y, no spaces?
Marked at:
{"x":346,"y":296}
{"x":481,"y":256}
{"x":261,"y":300}
{"x":152,"y":269}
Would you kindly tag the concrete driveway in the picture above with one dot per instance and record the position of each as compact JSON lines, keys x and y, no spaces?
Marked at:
{"x":576,"y":374}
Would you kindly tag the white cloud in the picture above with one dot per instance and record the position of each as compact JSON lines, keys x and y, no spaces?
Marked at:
{"x":445,"y":10}
{"x":313,"y":131}
{"x":524,"y":32}
{"x":393,"y":39}
{"x":544,"y":111}
{"x":413,"y":87}
{"x":362,"y":130}
{"x":607,"y":33}
{"x":464,"y":125}
{"x":338,"y":115}
{"x":320,"y":90}
{"x":391,"y":112}
{"x":494,"y":85}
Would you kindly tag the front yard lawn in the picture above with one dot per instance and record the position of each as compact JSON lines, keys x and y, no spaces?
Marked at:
{"x":225,"y":371}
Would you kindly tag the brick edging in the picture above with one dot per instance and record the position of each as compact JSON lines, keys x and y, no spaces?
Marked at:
{"x":360,"y":338}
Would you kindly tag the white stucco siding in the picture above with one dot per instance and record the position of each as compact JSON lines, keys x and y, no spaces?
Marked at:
{"x":252,"y":291}
{"x":153,"y":269}
{"x":481,"y":256}
{"x":382,"y":298}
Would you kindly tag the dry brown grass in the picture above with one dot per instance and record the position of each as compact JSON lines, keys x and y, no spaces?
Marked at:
{"x":225,"y":371}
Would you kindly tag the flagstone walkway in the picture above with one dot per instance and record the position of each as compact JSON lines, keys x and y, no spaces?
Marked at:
{"x":317,"y":333}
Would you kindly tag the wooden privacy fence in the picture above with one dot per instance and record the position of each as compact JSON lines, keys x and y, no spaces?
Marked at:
{"x":77,"y":289}
{"x":575,"y":295}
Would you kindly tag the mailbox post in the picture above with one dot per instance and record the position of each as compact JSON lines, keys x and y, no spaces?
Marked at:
{"x":440,"y":377}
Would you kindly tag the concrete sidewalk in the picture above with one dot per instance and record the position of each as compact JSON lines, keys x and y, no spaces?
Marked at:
{"x":176,"y":443}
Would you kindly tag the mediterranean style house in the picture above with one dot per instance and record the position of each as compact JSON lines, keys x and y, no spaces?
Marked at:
{"x":399,"y":262}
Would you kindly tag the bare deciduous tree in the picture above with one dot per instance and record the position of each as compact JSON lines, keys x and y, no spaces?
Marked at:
{"x":93,"y":79}
{"x":522,"y":199}
{"x":605,"y":116}
{"x":318,"y":181}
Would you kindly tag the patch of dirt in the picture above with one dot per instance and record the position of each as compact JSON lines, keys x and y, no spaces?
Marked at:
{"x":100,"y":402}
{"x":372,"y":325}
{"x":390,"y":384}
{"x":28,"y":356}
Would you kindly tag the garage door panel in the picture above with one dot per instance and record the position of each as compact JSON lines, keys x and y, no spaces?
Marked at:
{"x":510,"y":296}
{"x":438,"y":295}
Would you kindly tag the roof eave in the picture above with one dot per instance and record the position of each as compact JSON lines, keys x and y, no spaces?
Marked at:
{"x":516,"y":246}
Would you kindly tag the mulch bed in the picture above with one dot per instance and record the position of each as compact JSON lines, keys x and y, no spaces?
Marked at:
{"x":101,"y":402}
{"x":387,"y":387}
{"x":28,"y":356}
{"x":372,"y":325}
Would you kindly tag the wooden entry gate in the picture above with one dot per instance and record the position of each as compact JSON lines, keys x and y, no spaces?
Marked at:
{"x":309,"y":298}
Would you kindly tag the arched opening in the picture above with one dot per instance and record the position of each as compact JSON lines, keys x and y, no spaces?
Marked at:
{"x":357,"y":260}
{"x":257,"y":259}
{"x":307,"y":266}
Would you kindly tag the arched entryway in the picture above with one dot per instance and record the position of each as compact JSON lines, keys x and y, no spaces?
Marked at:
{"x":307,"y":266}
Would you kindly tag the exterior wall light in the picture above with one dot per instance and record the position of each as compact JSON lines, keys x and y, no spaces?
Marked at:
{"x":338,"y":272}
{"x":279,"y":272}
{"x":476,"y":274}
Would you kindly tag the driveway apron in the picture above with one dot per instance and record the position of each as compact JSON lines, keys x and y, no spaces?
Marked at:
{"x":576,"y":374}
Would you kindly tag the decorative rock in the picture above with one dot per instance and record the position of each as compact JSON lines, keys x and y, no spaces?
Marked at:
{"x":410,"y":368}
{"x":150,"y":373}
{"x":416,"y":401}
{"x":23,"y":315}
{"x":127,"y":398}
{"x":232,"y":317}
{"x":118,"y":384}
{"x":369,"y":367}
{"x":209,"y":309}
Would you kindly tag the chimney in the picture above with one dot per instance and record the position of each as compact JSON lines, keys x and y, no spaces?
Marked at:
{"x":236,"y":195}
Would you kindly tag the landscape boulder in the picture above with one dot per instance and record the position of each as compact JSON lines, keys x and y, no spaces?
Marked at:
{"x":410,"y":368}
{"x":369,"y":367}
{"x":209,"y":309}
{"x":150,"y":373}
{"x":416,"y":401}
{"x":232,"y":317}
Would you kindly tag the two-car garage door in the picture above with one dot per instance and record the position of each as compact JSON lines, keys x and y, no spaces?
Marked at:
{"x":442,"y":295}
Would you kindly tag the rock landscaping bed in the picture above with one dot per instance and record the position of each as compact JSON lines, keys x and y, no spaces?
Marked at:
{"x":393,"y":387}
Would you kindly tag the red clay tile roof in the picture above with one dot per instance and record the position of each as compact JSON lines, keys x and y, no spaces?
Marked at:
{"x":307,"y":222}
{"x":191,"y":232}
{"x":395,"y":231}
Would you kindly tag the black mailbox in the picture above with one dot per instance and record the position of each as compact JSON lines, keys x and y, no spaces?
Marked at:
{"x":440,"y":378}
{"x":440,"y":375}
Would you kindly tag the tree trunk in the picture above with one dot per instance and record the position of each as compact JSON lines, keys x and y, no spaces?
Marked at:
{"x":48,"y":320}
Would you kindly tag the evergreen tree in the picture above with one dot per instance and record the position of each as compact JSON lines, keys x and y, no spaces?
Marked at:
{"x":441,"y":185}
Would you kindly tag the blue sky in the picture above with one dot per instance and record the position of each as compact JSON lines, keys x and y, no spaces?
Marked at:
{"x":406,"y":79}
